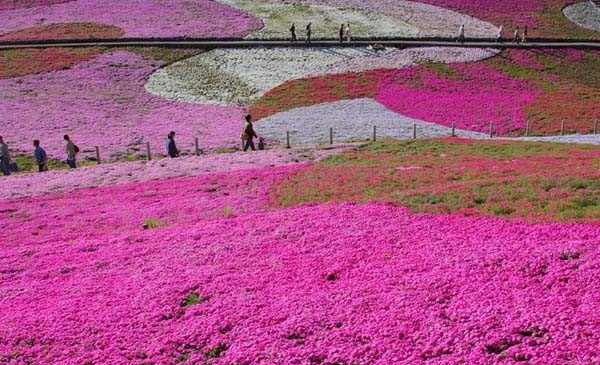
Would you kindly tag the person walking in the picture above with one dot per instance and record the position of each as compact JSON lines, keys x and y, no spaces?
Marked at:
{"x":293,"y":33}
{"x":342,"y":33}
{"x":499,"y":35}
{"x":516,"y":36}
{"x":348,"y":33}
{"x":248,"y":134}
{"x":40,"y":156}
{"x":72,"y":151}
{"x":4,"y":158}
{"x":461,"y":33}
{"x":172,"y":150}
{"x":524,"y":35}
{"x":308,"y":33}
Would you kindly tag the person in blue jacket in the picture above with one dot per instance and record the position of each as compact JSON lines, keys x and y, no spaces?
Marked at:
{"x":41,"y":158}
{"x":172,"y":150}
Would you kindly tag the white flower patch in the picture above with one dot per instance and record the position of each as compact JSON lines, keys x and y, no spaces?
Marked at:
{"x":240,"y":76}
{"x":400,"y":58}
{"x":326,"y":20}
{"x":351,"y":120}
{"x":585,"y":14}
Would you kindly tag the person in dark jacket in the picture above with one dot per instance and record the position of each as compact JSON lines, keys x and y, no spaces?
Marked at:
{"x":293,"y":32}
{"x":72,"y":151}
{"x":4,"y":158}
{"x":342,"y":33}
{"x":309,"y":33}
{"x":41,"y":158}
{"x":249,"y":134}
{"x":172,"y":150}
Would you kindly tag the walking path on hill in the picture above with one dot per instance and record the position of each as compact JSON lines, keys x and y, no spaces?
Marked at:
{"x":249,"y":43}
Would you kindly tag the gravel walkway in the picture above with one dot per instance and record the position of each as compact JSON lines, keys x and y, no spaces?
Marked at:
{"x":572,"y":138}
{"x":351,"y":120}
{"x":584,"y":14}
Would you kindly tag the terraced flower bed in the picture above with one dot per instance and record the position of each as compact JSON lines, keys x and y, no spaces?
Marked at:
{"x":211,"y":269}
{"x":537,"y":182}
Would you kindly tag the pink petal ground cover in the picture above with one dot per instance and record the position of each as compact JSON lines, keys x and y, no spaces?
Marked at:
{"x":19,"y":4}
{"x":328,"y":284}
{"x":139,"y":18}
{"x":477,"y":96}
{"x":103,"y":103}
{"x":89,"y":213}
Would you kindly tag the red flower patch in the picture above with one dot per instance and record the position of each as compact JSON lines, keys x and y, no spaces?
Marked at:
{"x":23,"y":62}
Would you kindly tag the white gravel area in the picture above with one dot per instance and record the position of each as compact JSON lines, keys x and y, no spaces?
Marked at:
{"x":351,"y":120}
{"x":593,"y":139}
{"x":432,"y":21}
{"x":240,"y":76}
{"x":585,"y":14}
{"x":278,"y":17}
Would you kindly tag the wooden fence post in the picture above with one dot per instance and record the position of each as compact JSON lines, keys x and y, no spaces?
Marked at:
{"x":197,"y":146}
{"x":491,"y":130}
{"x":596,"y":127}
{"x":148,"y":153}
{"x":414,"y":130}
{"x":527,"y":128}
{"x":330,"y":135}
{"x":562,"y":128}
{"x":453,"y":129}
{"x":287,"y":139}
{"x":98,"y":155}
{"x":374,"y":133}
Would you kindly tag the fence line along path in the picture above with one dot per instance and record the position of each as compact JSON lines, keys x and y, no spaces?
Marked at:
{"x":256,"y":43}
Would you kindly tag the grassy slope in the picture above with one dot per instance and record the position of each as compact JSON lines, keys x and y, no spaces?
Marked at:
{"x":538,"y":182}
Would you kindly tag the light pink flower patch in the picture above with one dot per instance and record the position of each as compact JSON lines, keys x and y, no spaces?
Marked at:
{"x":347,"y":284}
{"x":471,"y":97}
{"x":103,"y":103}
{"x":139,"y":18}
{"x":19,"y":4}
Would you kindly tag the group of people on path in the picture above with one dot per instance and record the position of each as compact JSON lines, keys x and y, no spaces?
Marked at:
{"x":517,"y":36}
{"x":7,"y":166}
{"x":344,"y":34}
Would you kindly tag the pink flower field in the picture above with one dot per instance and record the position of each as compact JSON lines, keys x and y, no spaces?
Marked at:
{"x":308,"y":285}
{"x":480,"y":96}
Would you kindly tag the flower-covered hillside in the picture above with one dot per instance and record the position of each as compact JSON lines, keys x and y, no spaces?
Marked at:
{"x":510,"y":90}
{"x":102,"y":102}
{"x":240,"y":76}
{"x":210,"y":270}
